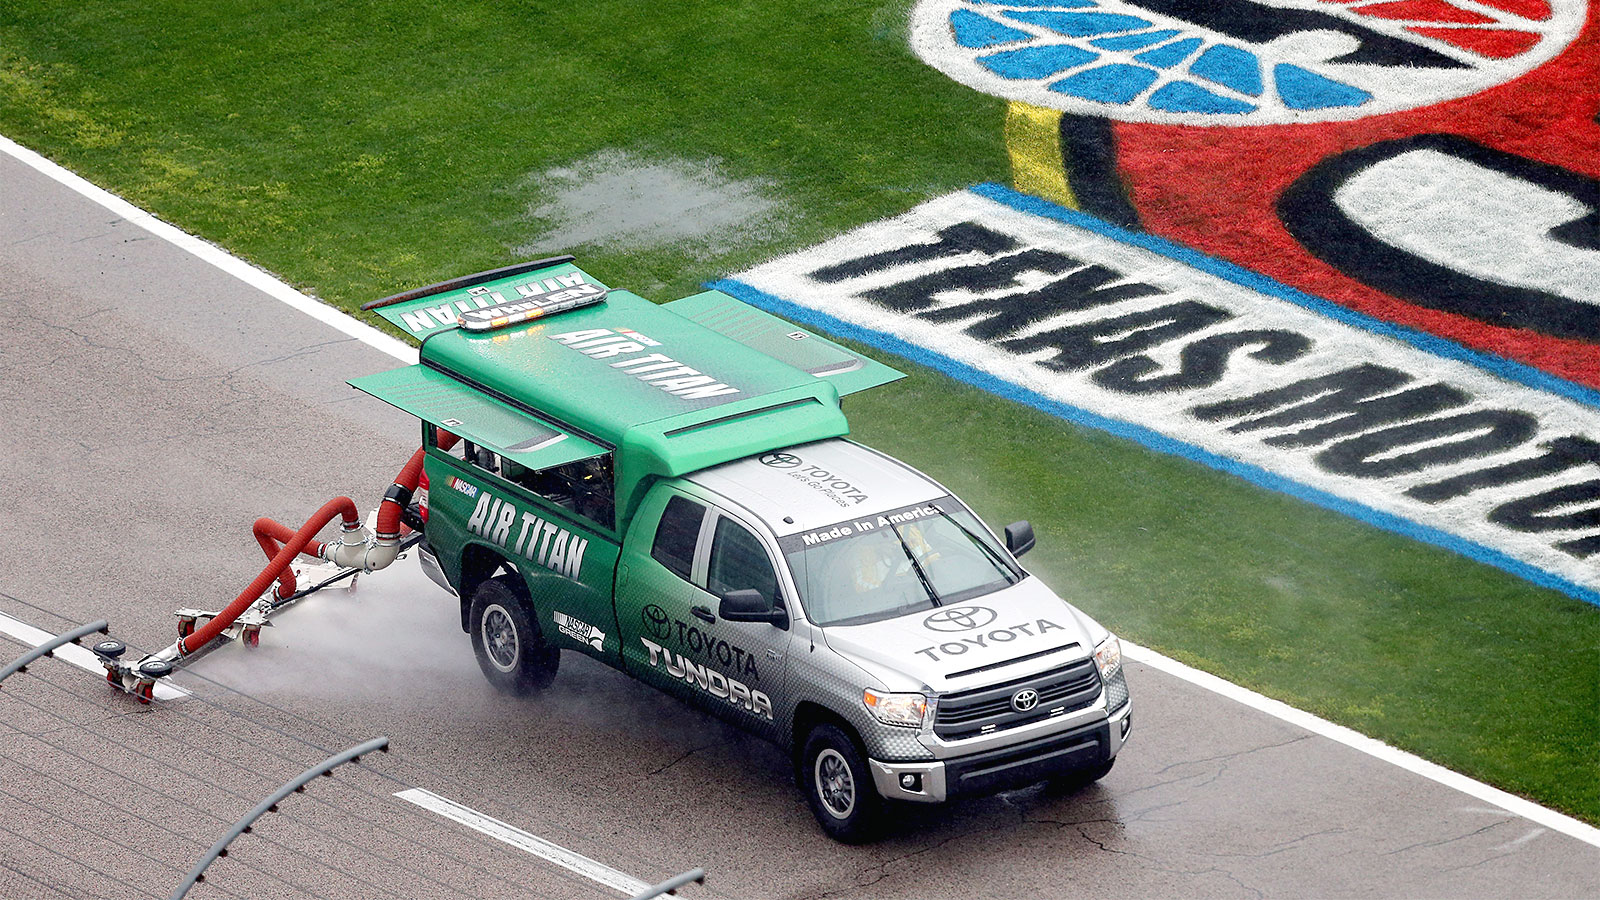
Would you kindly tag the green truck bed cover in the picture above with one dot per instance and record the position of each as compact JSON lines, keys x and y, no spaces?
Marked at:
{"x":672,"y":388}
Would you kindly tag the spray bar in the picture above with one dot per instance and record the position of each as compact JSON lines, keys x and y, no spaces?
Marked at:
{"x":359,"y":549}
{"x":20,"y":664}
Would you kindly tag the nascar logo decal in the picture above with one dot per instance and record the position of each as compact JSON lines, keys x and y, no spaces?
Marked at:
{"x":1250,"y":61}
{"x":1189,"y":355}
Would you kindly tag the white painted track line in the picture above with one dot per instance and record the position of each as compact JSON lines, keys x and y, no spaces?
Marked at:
{"x":522,"y":840}
{"x":214,"y":255}
{"x":76,"y":655}
{"x":406,"y":353}
{"x":1549,"y":818}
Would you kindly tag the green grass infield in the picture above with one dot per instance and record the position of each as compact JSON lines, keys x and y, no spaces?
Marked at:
{"x":357,"y":149}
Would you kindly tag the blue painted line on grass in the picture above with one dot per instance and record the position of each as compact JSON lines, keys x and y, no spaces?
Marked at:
{"x":1148,"y":437}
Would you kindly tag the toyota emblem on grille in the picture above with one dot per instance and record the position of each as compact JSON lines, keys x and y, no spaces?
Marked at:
{"x":960,"y":618}
{"x":1025,"y":699}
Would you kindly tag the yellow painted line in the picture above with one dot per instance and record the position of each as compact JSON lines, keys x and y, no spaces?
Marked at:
{"x":1033,"y":140}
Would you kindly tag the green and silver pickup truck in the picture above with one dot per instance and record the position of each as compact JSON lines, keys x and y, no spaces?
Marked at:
{"x":669,"y":489}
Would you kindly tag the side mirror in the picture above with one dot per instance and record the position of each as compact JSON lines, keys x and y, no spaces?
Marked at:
{"x":748,"y":605}
{"x":1019,"y":537}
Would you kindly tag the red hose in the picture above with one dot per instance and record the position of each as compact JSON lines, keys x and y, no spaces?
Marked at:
{"x":269,"y":534}
{"x":338,"y":506}
{"x":389,"y":511}
{"x":388,"y":524}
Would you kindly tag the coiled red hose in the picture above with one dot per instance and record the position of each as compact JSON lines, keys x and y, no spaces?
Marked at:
{"x":270,"y":534}
{"x":338,"y":506}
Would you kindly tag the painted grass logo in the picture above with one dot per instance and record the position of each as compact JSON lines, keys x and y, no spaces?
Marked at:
{"x":1239,"y":61}
{"x":1189,"y":355}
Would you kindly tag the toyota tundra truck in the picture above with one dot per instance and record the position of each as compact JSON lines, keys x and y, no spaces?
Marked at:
{"x":669,"y":489}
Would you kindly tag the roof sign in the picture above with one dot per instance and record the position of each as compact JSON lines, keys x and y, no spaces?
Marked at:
{"x":656,"y":369}
{"x":515,"y":290}
{"x":503,"y":314}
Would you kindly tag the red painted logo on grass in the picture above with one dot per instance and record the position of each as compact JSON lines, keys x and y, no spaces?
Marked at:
{"x":1434,"y":163}
{"x":1477,"y":219}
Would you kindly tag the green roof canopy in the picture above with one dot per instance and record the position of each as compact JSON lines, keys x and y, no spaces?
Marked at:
{"x":437,"y":398}
{"x":672,"y":388}
{"x":846,"y":370}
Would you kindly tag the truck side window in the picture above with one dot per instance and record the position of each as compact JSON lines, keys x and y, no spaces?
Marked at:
{"x":738,"y":562}
{"x":677,"y":534}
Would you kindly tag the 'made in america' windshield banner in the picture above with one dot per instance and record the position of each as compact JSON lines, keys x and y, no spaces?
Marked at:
{"x":1193,"y":356}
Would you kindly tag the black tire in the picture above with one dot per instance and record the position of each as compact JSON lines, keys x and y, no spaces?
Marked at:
{"x":505,"y":637}
{"x":1073,"y":781}
{"x":839,"y":787}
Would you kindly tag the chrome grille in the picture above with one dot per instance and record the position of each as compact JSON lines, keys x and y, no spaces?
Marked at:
{"x":964,"y":714}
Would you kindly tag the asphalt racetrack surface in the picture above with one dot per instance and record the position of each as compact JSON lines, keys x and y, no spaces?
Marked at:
{"x":155,"y":406}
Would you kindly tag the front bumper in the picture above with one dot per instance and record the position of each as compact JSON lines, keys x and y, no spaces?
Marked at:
{"x":1004,"y":767}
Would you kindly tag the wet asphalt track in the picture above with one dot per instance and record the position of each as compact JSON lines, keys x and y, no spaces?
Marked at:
{"x":154,"y":406}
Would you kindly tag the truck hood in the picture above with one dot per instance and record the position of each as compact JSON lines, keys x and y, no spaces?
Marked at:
{"x":999,"y":630}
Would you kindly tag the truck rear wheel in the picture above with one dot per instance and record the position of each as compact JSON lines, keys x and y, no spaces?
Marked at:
{"x":505,"y":637}
{"x":839,"y":787}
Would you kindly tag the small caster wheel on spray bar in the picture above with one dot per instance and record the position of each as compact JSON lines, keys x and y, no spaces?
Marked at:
{"x":185,"y":626}
{"x":252,"y":636}
{"x":149,"y":671}
{"x":109,"y":652}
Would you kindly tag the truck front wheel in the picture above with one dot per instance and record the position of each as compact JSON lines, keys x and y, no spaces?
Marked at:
{"x":506,"y":639}
{"x":839,"y":787}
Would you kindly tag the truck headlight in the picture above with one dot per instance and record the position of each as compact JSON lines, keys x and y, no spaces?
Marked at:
{"x":1108,"y":656}
{"x":897,"y":709}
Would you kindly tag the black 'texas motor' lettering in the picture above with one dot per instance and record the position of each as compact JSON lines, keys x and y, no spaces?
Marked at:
{"x":1000,"y":316}
{"x":919,"y":293}
{"x":1559,"y":455}
{"x":1201,"y":363}
{"x":1346,"y":402}
{"x":1253,"y":22}
{"x":953,"y":240}
{"x":1091,"y":343}
{"x":1480,"y":433}
{"x":1553,"y":511}
{"x":1310,"y":211}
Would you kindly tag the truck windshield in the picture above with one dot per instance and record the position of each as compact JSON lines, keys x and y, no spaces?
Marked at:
{"x":881,"y":566}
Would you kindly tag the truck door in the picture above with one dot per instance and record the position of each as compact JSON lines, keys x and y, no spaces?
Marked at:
{"x":679,"y":556}
{"x":556,"y":542}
